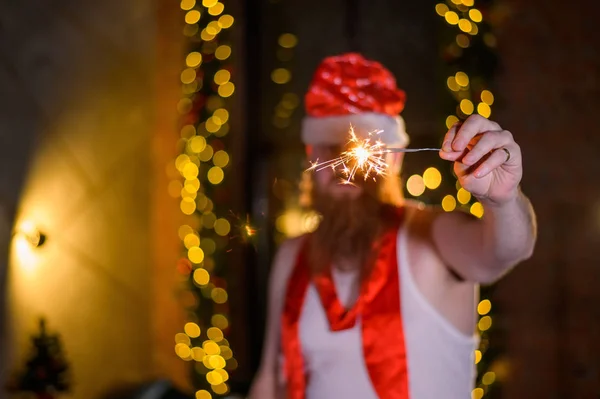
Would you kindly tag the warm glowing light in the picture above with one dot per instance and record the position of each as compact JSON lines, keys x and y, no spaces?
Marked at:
{"x":191,"y":240}
{"x":190,"y":171}
{"x":432,"y":178}
{"x":452,"y":85}
{"x":448,"y":203}
{"x":477,"y":393}
{"x":225,"y":21}
{"x":465,"y":25}
{"x":220,"y":321}
{"x":466,"y":106}
{"x":222,"y":76}
{"x":474,"y":30}
{"x":216,"y":362}
{"x":197,"y":144}
{"x":183,"y":351}
{"x":190,"y":30}
{"x":187,"y":4}
{"x":217,"y":9}
{"x":192,"y":17}
{"x":201,"y":277}
{"x":468,"y":3}
{"x":219,"y":295}
{"x":475,"y":15}
{"x":184,"y":230}
{"x":477,"y":209}
{"x":209,"y":3}
{"x":208,"y":220}
{"x":216,"y":335}
{"x":487,"y":97}
{"x":188,"y":131}
{"x":484,"y":307}
{"x":226,"y":89}
{"x":415,"y":185}
{"x":462,"y":79}
{"x":181,"y":338}
{"x":484,"y":110}
{"x":451,"y":120}
{"x":441,"y":9}
{"x":463,"y":196}
{"x":451,"y":17}
{"x":196,"y":255}
{"x":220,"y":389}
{"x":223,"y":52}
{"x":281,"y":76}
{"x":211,"y":348}
{"x":198,"y":353}
{"x":226,"y":352}
{"x":288,"y":40}
{"x":206,"y":35}
{"x":488,"y":378}
{"x":187,"y":206}
{"x":485,"y":323}
{"x":221,"y":159}
{"x":477,"y":356}
{"x":222,"y":227}
{"x":206,"y":153}
{"x":462,"y":40}
{"x":193,"y":59}
{"x":202,"y":394}
{"x":214,"y":378}
{"x":215,"y":175}
{"x":192,"y":330}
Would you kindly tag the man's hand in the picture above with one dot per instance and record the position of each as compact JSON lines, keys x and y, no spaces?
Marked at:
{"x":487,"y":160}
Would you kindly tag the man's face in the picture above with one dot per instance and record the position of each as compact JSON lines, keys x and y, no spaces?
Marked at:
{"x":331,"y":182}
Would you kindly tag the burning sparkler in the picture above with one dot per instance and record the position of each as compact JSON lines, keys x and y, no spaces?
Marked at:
{"x":363,"y":155}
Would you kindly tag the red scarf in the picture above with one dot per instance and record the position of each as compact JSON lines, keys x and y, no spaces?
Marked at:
{"x":379,"y":308}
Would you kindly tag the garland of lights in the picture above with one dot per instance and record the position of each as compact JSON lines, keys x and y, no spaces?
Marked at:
{"x":206,"y":84}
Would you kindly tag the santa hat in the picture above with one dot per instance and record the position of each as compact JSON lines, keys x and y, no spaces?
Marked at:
{"x":351,"y":90}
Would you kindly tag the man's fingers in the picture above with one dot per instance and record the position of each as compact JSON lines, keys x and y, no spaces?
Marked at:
{"x":447,"y":144}
{"x":488,"y":141}
{"x":475,"y":124}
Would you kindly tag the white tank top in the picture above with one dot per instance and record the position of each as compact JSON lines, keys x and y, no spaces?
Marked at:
{"x":440,"y":358}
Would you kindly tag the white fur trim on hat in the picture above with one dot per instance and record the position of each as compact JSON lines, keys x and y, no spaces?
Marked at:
{"x":331,"y":130}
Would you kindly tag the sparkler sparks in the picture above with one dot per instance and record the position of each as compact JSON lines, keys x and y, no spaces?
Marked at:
{"x":366,"y":156}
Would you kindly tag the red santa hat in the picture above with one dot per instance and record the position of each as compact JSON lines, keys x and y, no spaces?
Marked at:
{"x":351,"y":90}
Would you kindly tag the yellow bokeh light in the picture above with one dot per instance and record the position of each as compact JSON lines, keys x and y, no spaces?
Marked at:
{"x":485,"y":323}
{"x":223,"y":373}
{"x":221,"y":159}
{"x":215,"y":175}
{"x":187,"y":206}
{"x":225,"y":21}
{"x":184,"y":230}
{"x":181,"y":338}
{"x":477,"y":209}
{"x":220,"y":389}
{"x":175,"y":188}
{"x":196,"y":255}
{"x":217,"y":9}
{"x":209,"y":3}
{"x":187,"y":4}
{"x":475,"y":15}
{"x":183,"y":351}
{"x":484,"y":307}
{"x":441,"y":9}
{"x":462,"y":79}
{"x":484,"y":110}
{"x":220,"y":321}
{"x":223,"y":52}
{"x":215,"y":334}
{"x":206,"y":154}
{"x":226,"y":352}
{"x":191,"y":240}
{"x":432,"y":178}
{"x":192,"y":330}
{"x":226,"y":89}
{"x":463,"y":196}
{"x":452,"y":85}
{"x":198,"y":353}
{"x":474,"y":29}
{"x":448,"y":203}
{"x":281,"y":76}
{"x":288,"y":40}
{"x":219,"y":295}
{"x":188,"y":131}
{"x":415,"y":185}
{"x":192,"y":17}
{"x":214,"y":378}
{"x":206,"y":35}
{"x":202,"y":394}
{"x":451,"y":120}
{"x":193,"y":59}
{"x":488,"y":378}
{"x":468,"y":3}
{"x":222,"y":227}
{"x":466,"y":106}
{"x":477,"y":393}
{"x":191,"y":88}
{"x":222,"y":76}
{"x":197,"y":144}
{"x":216,"y":362}
{"x":487,"y":97}
{"x":181,"y":161}
{"x":188,"y":194}
{"x":211,"y":348}
{"x":208,"y":245}
{"x":201,"y":276}
{"x":208,"y":220}
{"x":190,"y":171}
{"x":223,"y":130}
{"x":462,"y":40}
{"x":451,"y":17}
{"x":465,"y":25}
{"x":211,"y":125}
{"x":477,"y":356}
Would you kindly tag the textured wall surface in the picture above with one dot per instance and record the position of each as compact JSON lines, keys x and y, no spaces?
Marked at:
{"x":82,"y":158}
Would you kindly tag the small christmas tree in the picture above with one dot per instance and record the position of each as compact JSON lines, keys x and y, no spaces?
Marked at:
{"x":46,"y":372}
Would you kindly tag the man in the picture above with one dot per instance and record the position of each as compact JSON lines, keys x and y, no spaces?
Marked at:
{"x":380,"y":300}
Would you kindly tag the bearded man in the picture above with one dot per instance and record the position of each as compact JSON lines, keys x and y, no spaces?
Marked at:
{"x":380,"y":301}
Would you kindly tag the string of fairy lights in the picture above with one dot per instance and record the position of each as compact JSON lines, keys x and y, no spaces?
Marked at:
{"x":200,"y":172}
{"x":471,"y":95}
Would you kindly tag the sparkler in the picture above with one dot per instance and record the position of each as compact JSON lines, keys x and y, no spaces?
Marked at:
{"x":363,"y":155}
